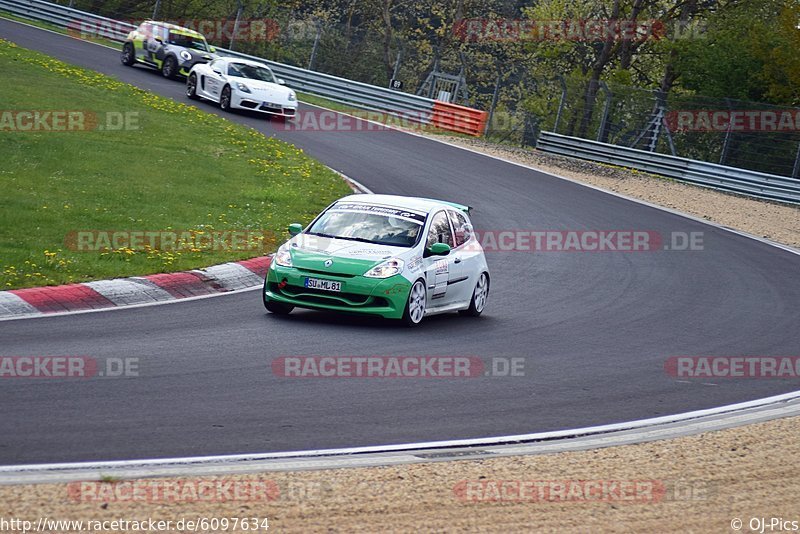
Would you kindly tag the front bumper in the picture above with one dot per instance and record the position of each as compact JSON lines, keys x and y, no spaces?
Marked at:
{"x":384,"y":297}
{"x":249,"y":102}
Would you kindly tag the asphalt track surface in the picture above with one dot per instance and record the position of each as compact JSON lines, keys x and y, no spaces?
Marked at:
{"x":594,"y":328}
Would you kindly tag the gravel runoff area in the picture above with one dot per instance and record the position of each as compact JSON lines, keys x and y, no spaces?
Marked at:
{"x":770,"y":220}
{"x":702,"y":483}
{"x":699,"y":483}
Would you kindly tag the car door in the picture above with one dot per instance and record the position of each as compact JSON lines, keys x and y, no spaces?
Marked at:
{"x":466,"y":258}
{"x":144,"y":34}
{"x":154,"y":42}
{"x":212,"y":82}
{"x":439,"y":270}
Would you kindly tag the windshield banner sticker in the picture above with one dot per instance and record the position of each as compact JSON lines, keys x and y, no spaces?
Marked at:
{"x":380,"y":210}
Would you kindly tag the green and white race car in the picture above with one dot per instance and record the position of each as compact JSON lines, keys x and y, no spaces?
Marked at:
{"x":391,"y":256}
{"x":172,"y":49}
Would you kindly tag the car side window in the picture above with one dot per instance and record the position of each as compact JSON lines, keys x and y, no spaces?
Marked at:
{"x":439,"y":231}
{"x":159,"y":32}
{"x":460,"y":226}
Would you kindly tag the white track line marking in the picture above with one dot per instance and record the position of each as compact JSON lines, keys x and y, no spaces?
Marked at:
{"x":544,"y":442}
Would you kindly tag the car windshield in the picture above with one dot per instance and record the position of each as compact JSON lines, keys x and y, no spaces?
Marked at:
{"x":380,"y":225}
{"x":252,"y":72}
{"x":188,"y":41}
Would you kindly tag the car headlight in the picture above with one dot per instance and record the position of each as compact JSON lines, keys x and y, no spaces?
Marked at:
{"x":386,"y":269}
{"x":186,"y":55}
{"x":292,"y":97}
{"x":242,"y":87}
{"x":283,"y":257}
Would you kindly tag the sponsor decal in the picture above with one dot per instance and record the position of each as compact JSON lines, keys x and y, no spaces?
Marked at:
{"x":397,"y":289}
{"x":414,"y":264}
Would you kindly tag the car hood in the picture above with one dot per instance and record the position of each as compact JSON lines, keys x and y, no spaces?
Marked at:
{"x":347,"y":257}
{"x":197,"y":55}
{"x":265,"y":90}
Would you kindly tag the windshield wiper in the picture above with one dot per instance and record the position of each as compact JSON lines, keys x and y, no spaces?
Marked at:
{"x":319,"y":234}
{"x":359,"y":239}
{"x":389,"y":244}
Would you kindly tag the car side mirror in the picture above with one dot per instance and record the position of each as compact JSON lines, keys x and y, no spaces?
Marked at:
{"x":212,"y":49}
{"x":295,"y":228}
{"x":439,"y":249}
{"x":281,"y":82}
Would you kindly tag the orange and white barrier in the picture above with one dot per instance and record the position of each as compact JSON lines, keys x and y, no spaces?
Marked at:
{"x":459,"y":119}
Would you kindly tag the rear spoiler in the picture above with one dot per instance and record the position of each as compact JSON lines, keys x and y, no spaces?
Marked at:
{"x":462,"y":207}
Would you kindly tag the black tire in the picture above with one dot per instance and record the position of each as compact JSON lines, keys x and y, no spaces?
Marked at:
{"x":479,"y":297}
{"x":278,"y":308}
{"x":191,"y":87}
{"x":170,"y":67}
{"x":225,"y":99}
{"x":128,"y":55}
{"x":411,"y":315}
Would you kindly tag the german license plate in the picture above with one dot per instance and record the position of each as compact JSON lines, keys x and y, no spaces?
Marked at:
{"x":325,"y":285}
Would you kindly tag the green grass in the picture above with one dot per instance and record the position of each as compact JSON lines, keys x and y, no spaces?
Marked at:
{"x":180,"y":169}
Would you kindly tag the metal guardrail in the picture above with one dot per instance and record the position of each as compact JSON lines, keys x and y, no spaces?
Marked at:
{"x":359,"y":95}
{"x":756,"y":184}
{"x":66,"y":17}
